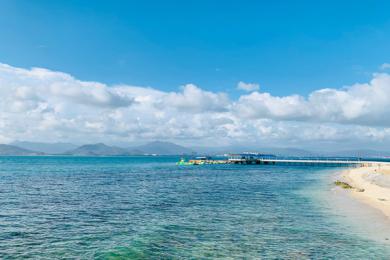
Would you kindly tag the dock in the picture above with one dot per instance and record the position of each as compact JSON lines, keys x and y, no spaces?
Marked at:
{"x":305,"y":162}
{"x":261,"y":159}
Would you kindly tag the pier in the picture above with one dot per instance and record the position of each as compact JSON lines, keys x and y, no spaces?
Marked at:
{"x":262,"y":159}
{"x":305,"y":162}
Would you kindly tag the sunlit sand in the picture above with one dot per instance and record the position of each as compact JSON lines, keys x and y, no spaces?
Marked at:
{"x":370,"y":185}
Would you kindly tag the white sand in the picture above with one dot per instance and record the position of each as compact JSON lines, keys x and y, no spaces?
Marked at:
{"x":374,"y":181}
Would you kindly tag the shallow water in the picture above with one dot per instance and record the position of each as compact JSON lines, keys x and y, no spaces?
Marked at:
{"x":343,"y":208}
{"x":147,"y":207}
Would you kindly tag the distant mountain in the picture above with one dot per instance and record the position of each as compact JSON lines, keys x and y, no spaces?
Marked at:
{"x":363,"y":153}
{"x":291,"y":152}
{"x":160,"y":148}
{"x":48,"y":148}
{"x":266,"y":150}
{"x":99,"y":149}
{"x":6,"y":149}
{"x":167,"y":148}
{"x":163,"y":148}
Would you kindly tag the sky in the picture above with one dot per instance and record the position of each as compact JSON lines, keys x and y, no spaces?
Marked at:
{"x":280,"y":73}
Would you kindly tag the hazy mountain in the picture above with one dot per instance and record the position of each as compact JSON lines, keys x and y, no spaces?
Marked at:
{"x":360,"y":153}
{"x":266,"y":150}
{"x":163,"y":148}
{"x":49,"y":148}
{"x":167,"y":148}
{"x":99,"y":149}
{"x":6,"y":149}
{"x":290,"y":152}
{"x":363,"y":153}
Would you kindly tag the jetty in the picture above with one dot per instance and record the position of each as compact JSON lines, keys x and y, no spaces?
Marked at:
{"x":305,"y":162}
{"x":267,"y":159}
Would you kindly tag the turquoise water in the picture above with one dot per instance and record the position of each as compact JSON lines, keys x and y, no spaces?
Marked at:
{"x":148,"y":208}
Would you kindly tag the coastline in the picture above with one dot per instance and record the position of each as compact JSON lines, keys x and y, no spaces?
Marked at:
{"x":370,"y":185}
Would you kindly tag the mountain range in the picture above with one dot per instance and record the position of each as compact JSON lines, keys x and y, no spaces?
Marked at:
{"x":47,"y":148}
{"x":163,"y":148}
{"x":98,"y":149}
{"x":6,"y":149}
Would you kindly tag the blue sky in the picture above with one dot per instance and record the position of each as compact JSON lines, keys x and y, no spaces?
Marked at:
{"x":123,"y":72}
{"x":288,"y":47}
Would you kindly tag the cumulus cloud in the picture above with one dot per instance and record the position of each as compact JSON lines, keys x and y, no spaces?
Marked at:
{"x":194,"y":99}
{"x":44,"y":105}
{"x":264,"y":105}
{"x":363,"y":104}
{"x":248,"y":86}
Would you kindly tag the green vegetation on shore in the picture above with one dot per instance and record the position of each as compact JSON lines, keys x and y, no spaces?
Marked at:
{"x":343,"y":185}
{"x":346,"y":186}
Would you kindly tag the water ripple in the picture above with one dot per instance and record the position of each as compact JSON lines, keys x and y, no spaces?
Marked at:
{"x":147,"y":208}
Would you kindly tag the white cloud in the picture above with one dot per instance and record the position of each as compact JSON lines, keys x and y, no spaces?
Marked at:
{"x":194,"y":100}
{"x":249,"y":87}
{"x":263,"y":105}
{"x":43,"y":105}
{"x":362,"y":104}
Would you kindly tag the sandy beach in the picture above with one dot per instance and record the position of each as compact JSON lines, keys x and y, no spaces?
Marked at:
{"x":370,"y":185}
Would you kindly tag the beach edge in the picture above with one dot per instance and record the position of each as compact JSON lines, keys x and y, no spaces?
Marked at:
{"x":360,"y":187}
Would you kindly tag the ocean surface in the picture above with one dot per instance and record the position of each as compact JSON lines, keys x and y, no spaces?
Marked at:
{"x":150,"y":208}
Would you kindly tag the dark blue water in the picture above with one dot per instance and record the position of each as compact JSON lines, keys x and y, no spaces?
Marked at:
{"x":148,"y":208}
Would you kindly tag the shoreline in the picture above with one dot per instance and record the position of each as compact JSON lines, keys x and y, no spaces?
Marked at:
{"x":369,"y":185}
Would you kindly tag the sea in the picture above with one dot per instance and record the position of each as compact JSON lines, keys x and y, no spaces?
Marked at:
{"x":54,"y":207}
